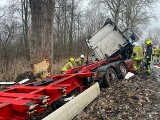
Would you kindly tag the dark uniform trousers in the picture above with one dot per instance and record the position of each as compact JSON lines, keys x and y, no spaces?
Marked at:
{"x":148,"y":58}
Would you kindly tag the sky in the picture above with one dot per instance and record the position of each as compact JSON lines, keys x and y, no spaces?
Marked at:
{"x":156,"y":11}
{"x":3,"y":2}
{"x":84,"y":4}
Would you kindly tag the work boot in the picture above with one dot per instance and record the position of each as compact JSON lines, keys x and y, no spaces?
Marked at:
{"x":148,"y":75}
{"x":137,"y":72}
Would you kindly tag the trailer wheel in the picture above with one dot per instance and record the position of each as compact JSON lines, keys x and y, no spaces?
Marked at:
{"x":88,"y":81}
{"x":123,"y":70}
{"x":110,"y":77}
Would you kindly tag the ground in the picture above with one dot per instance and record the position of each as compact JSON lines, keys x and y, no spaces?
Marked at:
{"x":134,"y":99}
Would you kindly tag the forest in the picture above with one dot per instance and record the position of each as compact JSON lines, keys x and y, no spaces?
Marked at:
{"x":31,"y":30}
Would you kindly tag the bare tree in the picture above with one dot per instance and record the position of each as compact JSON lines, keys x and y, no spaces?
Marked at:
{"x":9,"y":37}
{"x":6,"y":47}
{"x":154,"y":35}
{"x":136,"y":13}
{"x":115,"y":7}
{"x":71,"y":28}
{"x":130,"y":13}
{"x":25,"y":21}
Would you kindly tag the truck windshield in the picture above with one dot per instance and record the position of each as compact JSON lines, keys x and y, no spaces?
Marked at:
{"x":130,"y":35}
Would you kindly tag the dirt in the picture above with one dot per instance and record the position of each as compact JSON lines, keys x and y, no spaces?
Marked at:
{"x":134,"y":99}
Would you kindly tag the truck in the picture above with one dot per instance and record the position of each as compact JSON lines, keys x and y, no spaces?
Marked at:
{"x":110,"y":42}
{"x":71,"y":92}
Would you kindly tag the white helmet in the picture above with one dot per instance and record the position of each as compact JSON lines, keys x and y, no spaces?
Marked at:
{"x":135,"y":44}
{"x":82,"y":56}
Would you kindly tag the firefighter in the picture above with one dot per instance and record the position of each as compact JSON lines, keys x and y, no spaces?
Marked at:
{"x":68,"y":65}
{"x":80,"y":61}
{"x":94,"y":58}
{"x":158,"y":55}
{"x":155,"y":54}
{"x":148,"y":56}
{"x":137,"y":56}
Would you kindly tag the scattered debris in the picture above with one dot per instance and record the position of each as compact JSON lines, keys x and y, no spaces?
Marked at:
{"x":12,"y":83}
{"x":26,"y":75}
{"x":23,"y":81}
{"x":7,"y":83}
{"x":155,"y":69}
{"x":129,"y":75}
{"x":136,"y":98}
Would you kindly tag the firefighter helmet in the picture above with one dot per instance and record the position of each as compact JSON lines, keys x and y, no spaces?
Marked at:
{"x":71,"y":59}
{"x":82,"y":56}
{"x":135,"y":44}
{"x":148,"y":42}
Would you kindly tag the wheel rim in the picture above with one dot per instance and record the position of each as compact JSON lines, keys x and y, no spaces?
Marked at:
{"x":111,"y":77}
{"x":123,"y":70}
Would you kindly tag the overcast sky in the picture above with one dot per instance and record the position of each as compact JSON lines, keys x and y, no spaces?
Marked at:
{"x":156,"y":11}
{"x":154,"y":23}
{"x":2,"y":2}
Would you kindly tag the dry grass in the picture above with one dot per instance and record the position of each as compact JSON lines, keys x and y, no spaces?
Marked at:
{"x":14,"y":68}
{"x":19,"y":66}
{"x":58,"y":65}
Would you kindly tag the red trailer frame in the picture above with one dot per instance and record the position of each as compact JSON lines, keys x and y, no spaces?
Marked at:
{"x":20,"y":102}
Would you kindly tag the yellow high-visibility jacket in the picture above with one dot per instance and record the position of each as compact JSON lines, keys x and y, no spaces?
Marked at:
{"x":137,"y":54}
{"x":79,"y":62}
{"x":67,"y":66}
{"x":156,"y":51}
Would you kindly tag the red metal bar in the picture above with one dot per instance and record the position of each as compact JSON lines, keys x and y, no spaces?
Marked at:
{"x":17,"y":101}
{"x":89,"y":67}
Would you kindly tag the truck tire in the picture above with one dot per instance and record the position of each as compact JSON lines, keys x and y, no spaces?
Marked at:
{"x":123,"y":70}
{"x":88,"y":81}
{"x":110,"y":77}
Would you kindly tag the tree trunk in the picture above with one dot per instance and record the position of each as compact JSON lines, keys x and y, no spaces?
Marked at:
{"x":71,"y":30}
{"x":42,"y":16}
{"x":65,"y":27}
{"x":25,"y":26}
{"x":57,"y":49}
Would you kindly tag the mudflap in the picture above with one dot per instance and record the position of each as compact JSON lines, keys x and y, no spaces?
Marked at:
{"x":130,"y":66}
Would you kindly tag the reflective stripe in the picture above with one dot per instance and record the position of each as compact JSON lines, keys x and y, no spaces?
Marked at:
{"x":135,"y":67}
{"x":148,"y":68}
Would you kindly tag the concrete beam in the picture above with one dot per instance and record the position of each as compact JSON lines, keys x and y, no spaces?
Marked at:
{"x":76,"y":105}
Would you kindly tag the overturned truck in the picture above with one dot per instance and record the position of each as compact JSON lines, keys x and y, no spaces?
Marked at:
{"x":111,"y":44}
